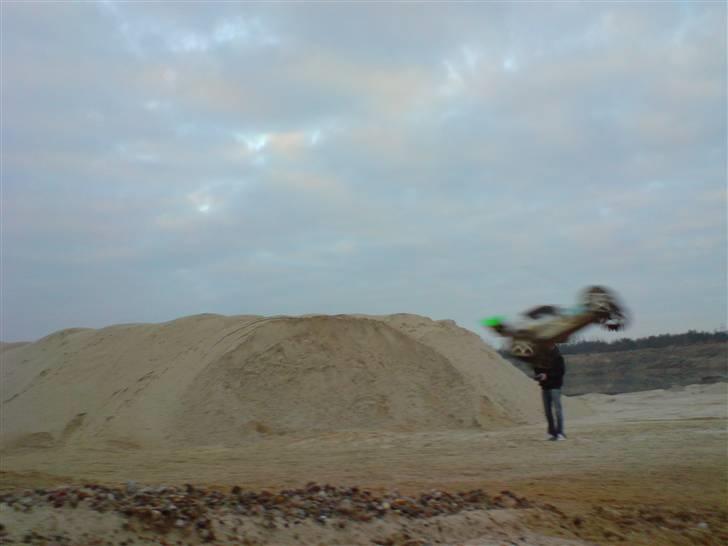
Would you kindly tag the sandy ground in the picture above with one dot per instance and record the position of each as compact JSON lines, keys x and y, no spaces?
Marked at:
{"x":645,"y":468}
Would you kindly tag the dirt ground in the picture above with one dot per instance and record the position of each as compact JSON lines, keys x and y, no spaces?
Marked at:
{"x":647,"y":468}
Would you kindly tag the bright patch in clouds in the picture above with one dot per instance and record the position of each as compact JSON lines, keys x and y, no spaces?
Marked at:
{"x":510,"y":64}
{"x":241,"y":30}
{"x":254,"y":143}
{"x":187,"y":42}
{"x":201,"y":200}
{"x":140,"y":30}
{"x":453,"y":80}
{"x":137,"y":152}
{"x":156,"y":105}
{"x":284,"y":142}
{"x":460,"y":69}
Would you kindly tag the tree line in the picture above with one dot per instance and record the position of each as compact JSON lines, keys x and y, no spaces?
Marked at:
{"x":691,"y":337}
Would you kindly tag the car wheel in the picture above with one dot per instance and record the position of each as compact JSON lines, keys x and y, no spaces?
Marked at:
{"x":523,"y":349}
{"x":598,"y":300}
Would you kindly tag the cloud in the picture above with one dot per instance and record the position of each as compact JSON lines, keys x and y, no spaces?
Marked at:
{"x":278,"y":158}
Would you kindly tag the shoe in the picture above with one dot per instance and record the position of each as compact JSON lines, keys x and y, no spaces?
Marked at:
{"x":551,"y":438}
{"x":560,"y":437}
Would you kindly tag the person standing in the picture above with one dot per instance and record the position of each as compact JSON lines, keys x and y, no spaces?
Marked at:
{"x":550,"y":375}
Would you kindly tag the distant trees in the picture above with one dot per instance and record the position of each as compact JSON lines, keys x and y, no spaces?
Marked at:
{"x":691,"y":337}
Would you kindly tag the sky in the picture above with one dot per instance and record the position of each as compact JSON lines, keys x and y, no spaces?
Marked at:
{"x":454,"y":160}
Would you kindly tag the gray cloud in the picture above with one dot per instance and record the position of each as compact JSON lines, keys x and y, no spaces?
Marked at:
{"x":452,"y":160}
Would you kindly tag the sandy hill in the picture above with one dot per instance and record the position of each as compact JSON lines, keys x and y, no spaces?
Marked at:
{"x":216,"y":380}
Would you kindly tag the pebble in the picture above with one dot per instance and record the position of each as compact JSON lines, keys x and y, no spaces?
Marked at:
{"x":165,"y":508}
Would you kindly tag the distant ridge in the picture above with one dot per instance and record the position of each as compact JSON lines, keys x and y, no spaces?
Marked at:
{"x":644,"y":369}
{"x":9,"y":346}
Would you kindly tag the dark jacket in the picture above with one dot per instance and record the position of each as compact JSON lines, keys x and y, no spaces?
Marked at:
{"x":554,"y":372}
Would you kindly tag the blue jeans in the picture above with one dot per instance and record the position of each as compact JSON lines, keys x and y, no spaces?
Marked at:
{"x":551,"y":404}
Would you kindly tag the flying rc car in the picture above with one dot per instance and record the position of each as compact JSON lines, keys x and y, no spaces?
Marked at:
{"x":546,"y":325}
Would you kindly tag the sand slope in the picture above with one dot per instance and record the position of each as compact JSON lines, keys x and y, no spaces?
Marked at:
{"x":215,"y":380}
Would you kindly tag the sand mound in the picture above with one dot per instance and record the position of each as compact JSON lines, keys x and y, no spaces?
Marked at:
{"x":214,"y":380}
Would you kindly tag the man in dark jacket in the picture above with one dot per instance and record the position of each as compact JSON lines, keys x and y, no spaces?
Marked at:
{"x":550,"y":375}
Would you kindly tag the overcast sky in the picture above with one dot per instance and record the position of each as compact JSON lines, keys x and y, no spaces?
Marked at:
{"x":450,"y":160}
